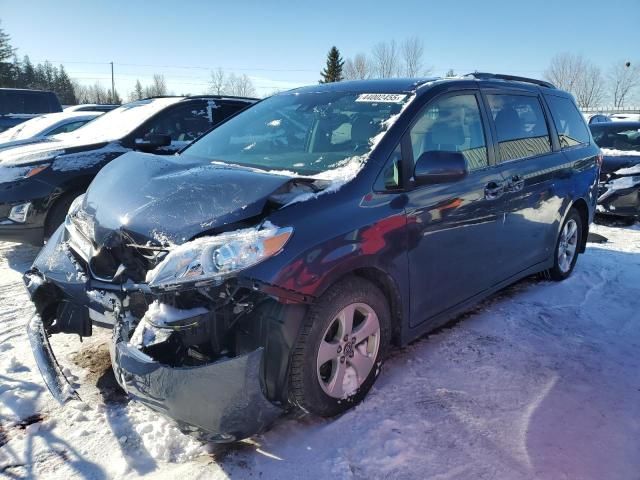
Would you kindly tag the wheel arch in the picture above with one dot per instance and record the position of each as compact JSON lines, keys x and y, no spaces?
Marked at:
{"x":582,"y":208}
{"x":388,"y":286}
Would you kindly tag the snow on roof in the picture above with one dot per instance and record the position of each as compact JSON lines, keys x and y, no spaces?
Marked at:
{"x":119,"y":122}
{"x":40,"y":124}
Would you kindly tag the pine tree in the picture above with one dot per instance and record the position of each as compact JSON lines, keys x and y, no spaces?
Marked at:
{"x":7,"y":74}
{"x":333,"y":71}
{"x":28,"y":79}
{"x":137,"y":93}
{"x":64,"y":88}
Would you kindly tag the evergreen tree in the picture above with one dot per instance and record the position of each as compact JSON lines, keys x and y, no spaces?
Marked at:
{"x":28,"y":73}
{"x":137,"y":93}
{"x":64,"y":88}
{"x":7,"y":74}
{"x":333,"y":71}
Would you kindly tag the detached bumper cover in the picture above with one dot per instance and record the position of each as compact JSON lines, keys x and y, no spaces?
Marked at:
{"x":52,"y":375}
{"x":222,"y":401}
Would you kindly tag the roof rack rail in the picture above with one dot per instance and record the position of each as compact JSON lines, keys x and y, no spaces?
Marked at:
{"x":499,"y":76}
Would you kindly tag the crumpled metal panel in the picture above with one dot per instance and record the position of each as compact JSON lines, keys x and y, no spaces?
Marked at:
{"x":222,"y":400}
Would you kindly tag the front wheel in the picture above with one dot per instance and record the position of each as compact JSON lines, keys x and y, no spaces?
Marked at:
{"x":567,"y":245}
{"x":338,"y":354}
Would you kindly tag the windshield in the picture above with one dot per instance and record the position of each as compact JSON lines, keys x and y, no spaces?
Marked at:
{"x":30,"y":128}
{"x":120,"y":122}
{"x":617,"y":137}
{"x":305,"y":133}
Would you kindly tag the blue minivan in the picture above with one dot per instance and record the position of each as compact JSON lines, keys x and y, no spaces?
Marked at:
{"x":271,"y":264}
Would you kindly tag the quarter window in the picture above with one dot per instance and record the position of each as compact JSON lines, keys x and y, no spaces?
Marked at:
{"x":451,"y":124}
{"x":568,"y":120}
{"x":520,"y":126}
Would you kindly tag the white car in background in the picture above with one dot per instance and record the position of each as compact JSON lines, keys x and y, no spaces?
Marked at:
{"x":40,"y":128}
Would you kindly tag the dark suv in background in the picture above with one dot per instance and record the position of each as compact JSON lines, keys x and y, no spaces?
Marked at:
{"x":39,"y":181}
{"x":18,"y":105}
{"x":271,"y":264}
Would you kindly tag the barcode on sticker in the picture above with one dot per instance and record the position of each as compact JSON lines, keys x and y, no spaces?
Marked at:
{"x":381,"y":97}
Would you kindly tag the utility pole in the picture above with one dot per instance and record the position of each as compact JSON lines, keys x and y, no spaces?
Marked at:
{"x":113,"y":86}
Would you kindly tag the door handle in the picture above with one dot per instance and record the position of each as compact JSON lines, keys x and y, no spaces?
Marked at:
{"x":493,"y":190}
{"x":516,"y":183}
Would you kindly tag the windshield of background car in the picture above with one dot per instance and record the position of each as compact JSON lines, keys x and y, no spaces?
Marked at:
{"x":617,"y":137}
{"x":306,"y":133}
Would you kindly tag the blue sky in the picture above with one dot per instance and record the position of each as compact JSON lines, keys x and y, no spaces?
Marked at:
{"x":280,"y":44}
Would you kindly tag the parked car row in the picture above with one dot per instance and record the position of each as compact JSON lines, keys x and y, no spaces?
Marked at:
{"x":39,"y":181}
{"x":271,"y":262}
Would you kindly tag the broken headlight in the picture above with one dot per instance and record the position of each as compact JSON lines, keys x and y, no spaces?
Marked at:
{"x":214,"y":258}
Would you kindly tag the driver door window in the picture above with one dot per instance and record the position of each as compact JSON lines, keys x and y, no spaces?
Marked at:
{"x":451,"y":124}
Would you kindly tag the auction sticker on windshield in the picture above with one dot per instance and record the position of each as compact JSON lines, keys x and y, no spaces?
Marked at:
{"x":381,"y":97}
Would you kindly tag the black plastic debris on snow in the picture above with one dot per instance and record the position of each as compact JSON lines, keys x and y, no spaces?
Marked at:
{"x":30,"y":420}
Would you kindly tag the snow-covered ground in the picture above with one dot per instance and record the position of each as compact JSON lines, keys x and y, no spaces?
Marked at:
{"x":542,"y":381}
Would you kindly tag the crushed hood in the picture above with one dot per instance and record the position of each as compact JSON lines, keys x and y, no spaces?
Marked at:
{"x":173,"y":199}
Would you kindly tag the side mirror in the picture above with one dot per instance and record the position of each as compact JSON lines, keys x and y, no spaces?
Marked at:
{"x":153,"y":141}
{"x":439,"y":167}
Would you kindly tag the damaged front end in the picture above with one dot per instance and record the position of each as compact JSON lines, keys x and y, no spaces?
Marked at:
{"x":191,"y":340}
{"x":619,"y":192}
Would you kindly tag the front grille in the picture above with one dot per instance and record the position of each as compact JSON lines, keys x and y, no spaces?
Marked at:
{"x":124,"y":262}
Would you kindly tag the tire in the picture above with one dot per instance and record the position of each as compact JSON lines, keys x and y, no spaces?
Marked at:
{"x":58,"y":212}
{"x":314,"y":385}
{"x":562,"y":265}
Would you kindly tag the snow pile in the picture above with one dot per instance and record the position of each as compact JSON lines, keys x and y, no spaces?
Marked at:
{"x":539,"y":382}
{"x":87,"y":159}
{"x":635,"y":170}
{"x":11,"y":174}
{"x":610,"y":152}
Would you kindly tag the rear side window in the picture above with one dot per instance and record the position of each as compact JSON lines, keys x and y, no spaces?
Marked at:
{"x":184,"y":123}
{"x":69,"y":127}
{"x":451,"y":124}
{"x":226,"y":109}
{"x":568,"y":121}
{"x":520,"y":125}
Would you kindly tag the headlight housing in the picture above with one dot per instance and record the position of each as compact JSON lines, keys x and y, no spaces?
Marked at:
{"x":209,"y":259}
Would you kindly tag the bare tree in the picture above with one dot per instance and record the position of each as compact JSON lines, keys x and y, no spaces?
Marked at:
{"x":565,"y":70}
{"x":590,"y":89}
{"x":624,"y":79}
{"x":412,"y":51}
{"x":240,"y":85}
{"x":358,"y":68}
{"x":157,"y":88}
{"x":218,"y":81}
{"x":579,"y":76}
{"x":385,"y":60}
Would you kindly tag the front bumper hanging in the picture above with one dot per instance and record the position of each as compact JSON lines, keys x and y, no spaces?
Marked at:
{"x":52,"y":375}
{"x":220,"y":401}
{"x":223,"y":400}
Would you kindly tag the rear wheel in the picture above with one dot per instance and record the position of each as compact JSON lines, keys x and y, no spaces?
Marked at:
{"x":338,"y":355}
{"x":567,"y":246}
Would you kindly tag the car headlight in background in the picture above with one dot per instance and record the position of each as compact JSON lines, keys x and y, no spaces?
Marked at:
{"x":214,"y":258}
